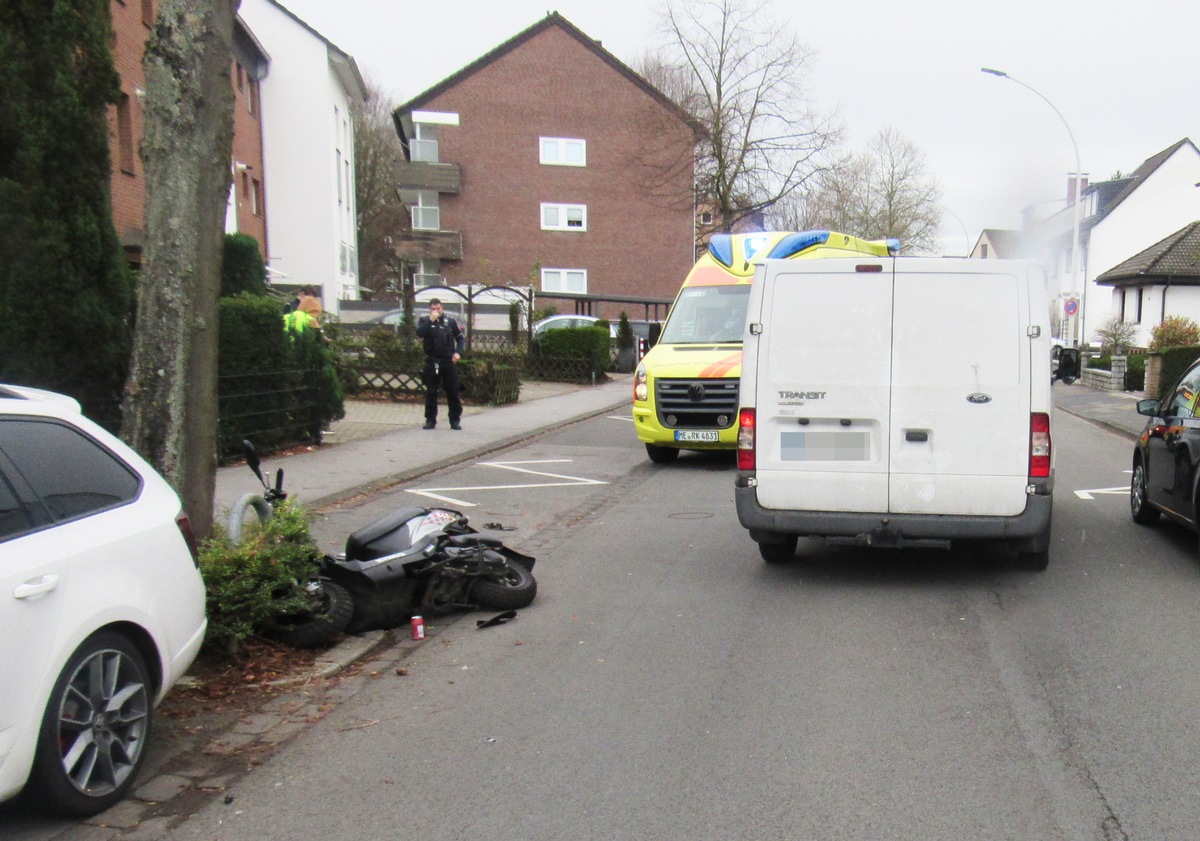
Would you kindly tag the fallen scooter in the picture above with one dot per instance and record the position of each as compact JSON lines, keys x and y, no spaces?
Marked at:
{"x":426,"y":561}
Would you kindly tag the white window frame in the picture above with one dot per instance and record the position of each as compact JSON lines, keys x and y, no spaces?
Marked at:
{"x":557,"y":280}
{"x":556,"y":151}
{"x":563,"y":213}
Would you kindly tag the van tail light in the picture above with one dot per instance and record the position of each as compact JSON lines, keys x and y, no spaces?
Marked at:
{"x":189,"y":537}
{"x":1039,"y":445}
{"x":745,"y":440}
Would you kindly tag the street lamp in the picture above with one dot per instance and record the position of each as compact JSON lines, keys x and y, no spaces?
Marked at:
{"x":1075,"y":255}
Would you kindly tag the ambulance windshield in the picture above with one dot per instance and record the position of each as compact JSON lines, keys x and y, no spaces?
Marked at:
{"x":708,"y":315}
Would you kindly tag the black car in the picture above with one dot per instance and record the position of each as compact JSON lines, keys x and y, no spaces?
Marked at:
{"x":1167,"y":455}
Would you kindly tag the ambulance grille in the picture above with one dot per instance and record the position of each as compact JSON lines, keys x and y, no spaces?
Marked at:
{"x":697,"y":404}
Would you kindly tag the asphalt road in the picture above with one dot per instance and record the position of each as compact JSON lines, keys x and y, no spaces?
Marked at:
{"x":667,"y":684}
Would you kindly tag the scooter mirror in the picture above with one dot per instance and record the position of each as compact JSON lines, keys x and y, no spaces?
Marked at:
{"x":252,"y":460}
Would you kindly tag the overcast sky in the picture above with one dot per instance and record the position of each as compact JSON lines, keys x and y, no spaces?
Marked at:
{"x":1125,"y":75}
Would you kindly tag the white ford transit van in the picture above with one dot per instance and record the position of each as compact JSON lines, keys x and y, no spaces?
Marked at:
{"x":896,"y":401}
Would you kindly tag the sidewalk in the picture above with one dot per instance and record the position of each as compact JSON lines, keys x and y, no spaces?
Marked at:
{"x":379,"y":444}
{"x":1115,"y":410}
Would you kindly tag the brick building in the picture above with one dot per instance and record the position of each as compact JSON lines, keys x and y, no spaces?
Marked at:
{"x":548,"y":162}
{"x":131,"y":22}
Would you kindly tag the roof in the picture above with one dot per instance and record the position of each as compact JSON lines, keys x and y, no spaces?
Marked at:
{"x":343,"y":63}
{"x":1174,"y":260}
{"x":552,"y":19}
{"x":1006,"y":243}
{"x":1142,"y":173}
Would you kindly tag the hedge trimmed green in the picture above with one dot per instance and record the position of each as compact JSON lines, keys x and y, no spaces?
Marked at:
{"x":1175,"y":361}
{"x":274,"y":387}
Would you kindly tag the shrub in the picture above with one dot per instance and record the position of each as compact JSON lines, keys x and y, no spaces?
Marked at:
{"x":1175,"y":331}
{"x":272,"y":388}
{"x":590,"y":343}
{"x":251,"y":582}
{"x":242,"y":267}
{"x":1174,"y":362}
{"x":624,"y":332}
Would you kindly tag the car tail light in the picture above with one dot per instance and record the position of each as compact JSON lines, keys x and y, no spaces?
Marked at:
{"x":189,"y":537}
{"x":745,"y":440}
{"x":1039,"y":445}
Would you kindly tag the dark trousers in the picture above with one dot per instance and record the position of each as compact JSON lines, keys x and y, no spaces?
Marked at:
{"x":441,"y":372}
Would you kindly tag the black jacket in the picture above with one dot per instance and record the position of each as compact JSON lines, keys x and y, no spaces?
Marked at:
{"x":442,"y":338}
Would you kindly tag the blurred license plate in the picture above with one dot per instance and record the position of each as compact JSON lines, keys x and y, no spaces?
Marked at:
{"x":706,"y":435}
{"x":825,"y":446}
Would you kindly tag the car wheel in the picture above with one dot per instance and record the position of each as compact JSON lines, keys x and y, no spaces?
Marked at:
{"x":95,"y":729}
{"x":780,"y":552}
{"x":661,"y":455}
{"x":1144,"y":514}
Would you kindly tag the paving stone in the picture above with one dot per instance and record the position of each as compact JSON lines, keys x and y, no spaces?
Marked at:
{"x":257,"y":723}
{"x":150,"y":830}
{"x":162,"y":788}
{"x":126,"y":814}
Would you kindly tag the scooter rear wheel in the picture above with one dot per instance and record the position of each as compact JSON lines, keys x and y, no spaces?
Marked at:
{"x":515,"y":588}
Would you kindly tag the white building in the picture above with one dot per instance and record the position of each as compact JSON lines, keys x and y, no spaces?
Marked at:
{"x":308,"y":153}
{"x":1120,"y":219}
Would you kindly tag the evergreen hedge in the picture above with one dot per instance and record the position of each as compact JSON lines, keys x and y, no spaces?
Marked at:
{"x":275,"y":388}
{"x":1175,"y":361}
{"x":66,"y":295}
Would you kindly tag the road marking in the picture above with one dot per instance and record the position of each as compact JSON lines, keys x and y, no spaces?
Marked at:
{"x":1087,"y":494}
{"x":567,"y":481}
{"x":1123,"y":489}
{"x":620,"y":417}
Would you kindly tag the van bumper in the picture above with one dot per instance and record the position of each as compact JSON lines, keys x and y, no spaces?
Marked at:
{"x":882,"y":529}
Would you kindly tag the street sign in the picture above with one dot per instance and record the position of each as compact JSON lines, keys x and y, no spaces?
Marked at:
{"x":1071,"y":306}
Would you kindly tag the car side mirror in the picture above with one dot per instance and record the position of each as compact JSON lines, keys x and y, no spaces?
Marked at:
{"x":1150,"y":408}
{"x":1068,"y":366}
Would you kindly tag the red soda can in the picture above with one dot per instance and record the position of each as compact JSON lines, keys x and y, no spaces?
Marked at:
{"x":418,"y":628}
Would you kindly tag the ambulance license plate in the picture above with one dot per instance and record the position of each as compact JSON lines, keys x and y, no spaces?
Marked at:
{"x":708,"y":436}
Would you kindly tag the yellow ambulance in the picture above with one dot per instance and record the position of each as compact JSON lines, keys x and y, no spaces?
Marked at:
{"x":685,"y":392}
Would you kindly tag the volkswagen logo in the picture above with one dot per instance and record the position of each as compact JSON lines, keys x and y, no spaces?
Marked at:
{"x":695,"y":392}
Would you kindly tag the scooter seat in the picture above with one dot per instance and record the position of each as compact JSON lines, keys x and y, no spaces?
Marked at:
{"x":371,"y":541}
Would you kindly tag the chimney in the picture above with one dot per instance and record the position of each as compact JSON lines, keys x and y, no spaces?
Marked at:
{"x":1072,"y":179}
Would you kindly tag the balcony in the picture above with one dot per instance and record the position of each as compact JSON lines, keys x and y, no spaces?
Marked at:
{"x":428,"y":245}
{"x":418,"y":175}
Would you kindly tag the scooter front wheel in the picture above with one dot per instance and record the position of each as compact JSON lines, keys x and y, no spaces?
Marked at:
{"x":332,"y":606}
{"x":514,"y":588}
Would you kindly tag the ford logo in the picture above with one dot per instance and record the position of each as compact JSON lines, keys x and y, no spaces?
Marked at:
{"x":979,"y":398}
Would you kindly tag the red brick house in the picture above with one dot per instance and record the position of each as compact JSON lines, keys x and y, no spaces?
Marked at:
{"x":131,"y":22}
{"x":548,"y":162}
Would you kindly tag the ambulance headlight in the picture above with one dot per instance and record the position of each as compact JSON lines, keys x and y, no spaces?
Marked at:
{"x":641,"y":391}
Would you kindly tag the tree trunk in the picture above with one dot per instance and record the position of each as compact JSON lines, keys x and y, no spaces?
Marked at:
{"x":170,"y":407}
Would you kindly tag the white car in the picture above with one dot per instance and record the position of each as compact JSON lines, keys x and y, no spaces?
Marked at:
{"x":562,"y":322}
{"x":101,"y":604}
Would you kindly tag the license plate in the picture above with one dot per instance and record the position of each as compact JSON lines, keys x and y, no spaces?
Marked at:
{"x":709,"y":436}
{"x":825,"y":446}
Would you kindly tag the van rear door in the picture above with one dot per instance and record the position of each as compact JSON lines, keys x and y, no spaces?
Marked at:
{"x":823,"y":402}
{"x":893,"y":386}
{"x":960,"y":389}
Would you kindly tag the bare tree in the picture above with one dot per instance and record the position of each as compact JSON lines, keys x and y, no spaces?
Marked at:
{"x":741,"y":77}
{"x":381,"y":214}
{"x":170,"y":405}
{"x":885,"y":191}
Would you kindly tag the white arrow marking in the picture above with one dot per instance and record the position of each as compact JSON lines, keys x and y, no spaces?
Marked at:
{"x":568,"y":481}
{"x":1123,"y":489}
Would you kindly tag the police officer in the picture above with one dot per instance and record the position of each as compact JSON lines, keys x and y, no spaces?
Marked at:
{"x":443,"y":347}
